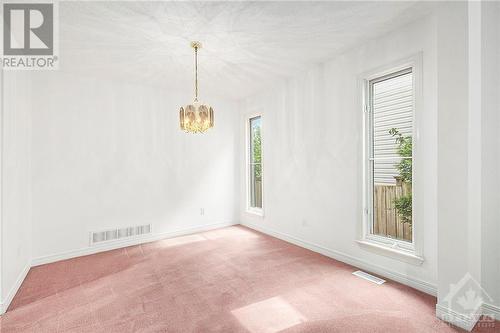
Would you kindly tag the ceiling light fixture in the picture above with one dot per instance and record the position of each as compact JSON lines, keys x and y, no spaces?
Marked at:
{"x":196,"y":117}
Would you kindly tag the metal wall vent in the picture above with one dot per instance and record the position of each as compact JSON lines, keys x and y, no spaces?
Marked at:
{"x":105,"y":236}
{"x":368,"y":277}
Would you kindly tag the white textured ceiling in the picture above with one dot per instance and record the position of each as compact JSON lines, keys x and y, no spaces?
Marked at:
{"x":246,"y":45}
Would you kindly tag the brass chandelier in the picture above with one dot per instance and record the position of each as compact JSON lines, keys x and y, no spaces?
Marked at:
{"x":196,"y":117}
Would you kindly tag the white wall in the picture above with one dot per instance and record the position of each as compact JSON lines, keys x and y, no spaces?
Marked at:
{"x":108,"y":154}
{"x":491,"y":149}
{"x":452,"y":146}
{"x":468,"y":146}
{"x":16,"y":182}
{"x":312,"y":145}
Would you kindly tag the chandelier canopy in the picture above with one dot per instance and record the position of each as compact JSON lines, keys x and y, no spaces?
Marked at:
{"x":196,"y":117}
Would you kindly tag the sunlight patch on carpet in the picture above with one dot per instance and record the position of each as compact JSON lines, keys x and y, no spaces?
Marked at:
{"x":269,"y":316}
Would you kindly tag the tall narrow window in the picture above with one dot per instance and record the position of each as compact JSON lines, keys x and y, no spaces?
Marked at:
{"x":255,"y":164}
{"x":390,"y":108}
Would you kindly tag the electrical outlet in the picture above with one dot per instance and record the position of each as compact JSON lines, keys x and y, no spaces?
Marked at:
{"x":202,"y":211}
{"x":304,"y":223}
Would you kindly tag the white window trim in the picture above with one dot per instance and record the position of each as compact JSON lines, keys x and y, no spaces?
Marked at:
{"x":401,"y":250}
{"x":253,"y":210}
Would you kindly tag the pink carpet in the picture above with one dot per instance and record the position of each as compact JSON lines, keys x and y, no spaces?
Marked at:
{"x":226,"y":280}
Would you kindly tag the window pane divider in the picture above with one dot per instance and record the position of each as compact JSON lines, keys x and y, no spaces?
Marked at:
{"x":390,"y":158}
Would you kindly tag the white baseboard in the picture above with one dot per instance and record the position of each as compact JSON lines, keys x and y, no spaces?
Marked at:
{"x":491,"y":310}
{"x":466,"y":322}
{"x":369,"y":267}
{"x":4,"y":304}
{"x":124,"y":243}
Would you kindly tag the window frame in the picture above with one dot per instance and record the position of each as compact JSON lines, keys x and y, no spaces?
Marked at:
{"x":398,"y":249}
{"x":248,"y":146}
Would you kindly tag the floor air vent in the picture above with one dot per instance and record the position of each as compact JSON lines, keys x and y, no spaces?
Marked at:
{"x":98,"y":237}
{"x":368,"y":277}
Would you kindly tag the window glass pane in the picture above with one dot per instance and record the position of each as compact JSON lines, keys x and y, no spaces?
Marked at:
{"x":391,"y":148}
{"x":392,"y":108}
{"x":256,"y":185}
{"x":255,"y":167}
{"x":392,"y":199}
{"x":255,"y":140}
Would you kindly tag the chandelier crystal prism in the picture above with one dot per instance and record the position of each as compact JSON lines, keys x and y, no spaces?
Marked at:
{"x":196,"y":117}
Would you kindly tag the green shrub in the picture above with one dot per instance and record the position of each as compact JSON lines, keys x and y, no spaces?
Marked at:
{"x":403,"y":207}
{"x":403,"y":204}
{"x":404,"y":150}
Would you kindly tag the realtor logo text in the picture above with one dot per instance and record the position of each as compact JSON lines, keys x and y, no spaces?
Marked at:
{"x":29,"y":36}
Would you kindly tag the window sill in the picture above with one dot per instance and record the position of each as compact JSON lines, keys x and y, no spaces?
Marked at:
{"x":255,"y":211}
{"x":392,"y":252}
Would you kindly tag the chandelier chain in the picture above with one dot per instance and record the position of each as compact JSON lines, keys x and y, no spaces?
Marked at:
{"x":196,"y":117}
{"x":196,"y":73}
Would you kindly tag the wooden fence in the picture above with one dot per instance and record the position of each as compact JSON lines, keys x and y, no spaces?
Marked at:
{"x":258,"y":193}
{"x":386,"y":220}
